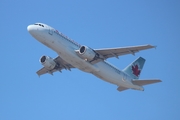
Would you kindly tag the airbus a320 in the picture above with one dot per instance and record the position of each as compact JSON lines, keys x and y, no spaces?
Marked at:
{"x":73,"y":55}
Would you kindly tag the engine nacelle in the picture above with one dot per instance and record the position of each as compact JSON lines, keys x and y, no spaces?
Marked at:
{"x":87,"y":53}
{"x":48,"y":62}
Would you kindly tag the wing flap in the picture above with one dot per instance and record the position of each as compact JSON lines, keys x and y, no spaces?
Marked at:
{"x":145,"y":82}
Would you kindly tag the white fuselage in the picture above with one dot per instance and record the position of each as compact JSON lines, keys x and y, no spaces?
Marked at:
{"x":66,"y":47}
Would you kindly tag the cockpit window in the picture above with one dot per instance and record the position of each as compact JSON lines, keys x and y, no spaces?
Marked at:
{"x":39,"y":24}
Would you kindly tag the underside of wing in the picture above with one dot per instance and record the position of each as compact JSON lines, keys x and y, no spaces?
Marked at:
{"x":61,"y":65}
{"x":44,"y":71}
{"x":145,"y":82}
{"x":115,"y":52}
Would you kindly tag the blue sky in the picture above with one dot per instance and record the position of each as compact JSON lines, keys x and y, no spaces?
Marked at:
{"x":98,"y":24}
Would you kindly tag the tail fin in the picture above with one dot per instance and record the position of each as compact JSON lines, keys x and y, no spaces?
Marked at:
{"x":135,"y":68}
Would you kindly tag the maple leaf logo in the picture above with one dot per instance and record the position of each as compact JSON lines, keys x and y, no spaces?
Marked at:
{"x":136,"y":70}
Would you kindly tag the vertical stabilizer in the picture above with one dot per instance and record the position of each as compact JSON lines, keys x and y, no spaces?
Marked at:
{"x":135,"y":68}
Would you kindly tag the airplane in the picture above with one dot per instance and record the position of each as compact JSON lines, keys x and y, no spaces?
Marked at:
{"x":73,"y":55}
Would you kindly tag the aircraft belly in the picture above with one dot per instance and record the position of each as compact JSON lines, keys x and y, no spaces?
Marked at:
{"x":109,"y":75}
{"x":106,"y":74}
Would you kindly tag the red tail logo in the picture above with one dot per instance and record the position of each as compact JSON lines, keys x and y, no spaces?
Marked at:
{"x":136,"y":70}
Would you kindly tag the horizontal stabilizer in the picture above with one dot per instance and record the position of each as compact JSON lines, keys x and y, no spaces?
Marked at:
{"x":122,"y":88}
{"x":145,"y":82}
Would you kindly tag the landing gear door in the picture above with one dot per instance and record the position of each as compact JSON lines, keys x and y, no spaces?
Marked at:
{"x":50,"y":31}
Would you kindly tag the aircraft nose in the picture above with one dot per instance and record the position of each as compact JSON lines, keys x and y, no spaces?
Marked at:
{"x":31,"y":29}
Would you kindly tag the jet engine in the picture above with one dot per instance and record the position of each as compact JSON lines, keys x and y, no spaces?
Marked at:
{"x":87,"y":53}
{"x":48,"y":62}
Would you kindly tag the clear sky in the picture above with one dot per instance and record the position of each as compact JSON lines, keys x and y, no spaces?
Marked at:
{"x":99,"y":24}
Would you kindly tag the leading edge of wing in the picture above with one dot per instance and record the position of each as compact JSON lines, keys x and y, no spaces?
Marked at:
{"x":118,"y":51}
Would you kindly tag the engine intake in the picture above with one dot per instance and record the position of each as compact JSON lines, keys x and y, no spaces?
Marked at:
{"x":48,"y":62}
{"x":87,"y":53}
{"x":82,"y":49}
{"x":43,"y":58}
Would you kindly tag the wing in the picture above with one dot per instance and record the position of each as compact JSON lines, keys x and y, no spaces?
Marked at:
{"x":115,"y":52}
{"x":62,"y":65}
{"x":145,"y":82}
